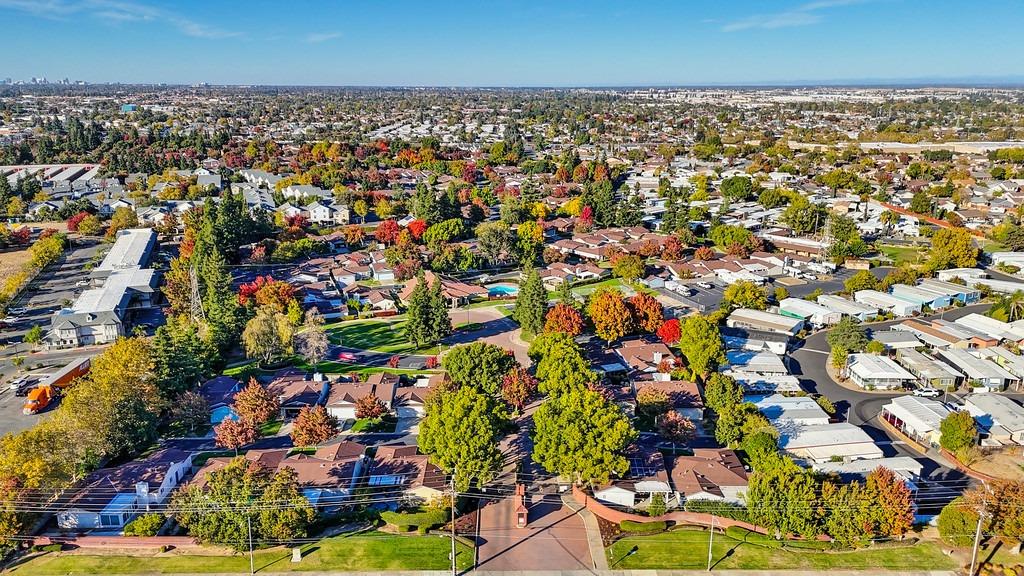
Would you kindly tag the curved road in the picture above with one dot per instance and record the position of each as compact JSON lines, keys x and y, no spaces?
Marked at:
{"x":942,"y":483}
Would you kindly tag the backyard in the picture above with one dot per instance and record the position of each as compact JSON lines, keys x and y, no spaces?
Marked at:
{"x":688,"y":549}
{"x":371,"y":552}
{"x":378,"y":335}
{"x":902,"y":254}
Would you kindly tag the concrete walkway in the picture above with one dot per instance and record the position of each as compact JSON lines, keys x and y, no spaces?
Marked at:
{"x":593,"y":532}
{"x":617,"y":573}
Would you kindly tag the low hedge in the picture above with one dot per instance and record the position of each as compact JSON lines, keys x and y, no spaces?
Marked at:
{"x":145,"y":525}
{"x":421,"y":519}
{"x":642,"y":527}
{"x":717,"y":508}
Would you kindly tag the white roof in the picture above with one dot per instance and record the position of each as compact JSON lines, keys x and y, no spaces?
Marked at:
{"x":803,"y":307}
{"x":776,"y":322}
{"x":973,"y":366}
{"x":796,"y":408}
{"x":992,"y":327}
{"x":927,"y":367}
{"x":883,"y":300}
{"x":872,"y":367}
{"x":822,"y":441}
{"x":920,"y":414}
{"x":761,"y":361}
{"x":1004,"y":412}
{"x":845,"y":306}
{"x":865,"y":467}
{"x":129,"y":250}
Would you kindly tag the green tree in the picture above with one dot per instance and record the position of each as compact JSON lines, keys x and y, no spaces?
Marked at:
{"x":33,"y":335}
{"x":581,"y":436}
{"x":181,"y":357}
{"x":267,"y":336}
{"x":122,"y":219}
{"x":958,"y":431}
{"x":418,"y":313}
{"x":701,"y":344}
{"x":953,"y":248}
{"x":531,"y":304}
{"x":849,"y":335}
{"x":780,"y":497}
{"x":722,"y":392}
{"x":921,"y":203}
{"x":479,"y":365}
{"x":242,"y":495}
{"x":494,"y":239}
{"x":957,"y":523}
{"x":745,"y":294}
{"x":803,"y":216}
{"x":862,"y":280}
{"x":629,"y":267}
{"x":561,"y":366}
{"x":460,"y":432}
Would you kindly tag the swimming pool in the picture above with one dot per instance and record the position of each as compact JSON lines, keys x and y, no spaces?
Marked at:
{"x":502,"y":290}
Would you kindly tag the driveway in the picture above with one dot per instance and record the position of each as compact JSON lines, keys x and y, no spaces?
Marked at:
{"x":555,"y":538}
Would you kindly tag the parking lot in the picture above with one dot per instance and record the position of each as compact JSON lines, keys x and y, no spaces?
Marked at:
{"x":48,"y":292}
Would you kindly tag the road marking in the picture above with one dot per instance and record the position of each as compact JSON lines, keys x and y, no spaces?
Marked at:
{"x":825,"y":352}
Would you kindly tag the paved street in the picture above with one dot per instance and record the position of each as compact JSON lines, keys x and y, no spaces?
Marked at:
{"x":809,"y":361}
{"x":555,"y":539}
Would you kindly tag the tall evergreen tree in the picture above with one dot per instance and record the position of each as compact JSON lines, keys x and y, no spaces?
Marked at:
{"x":223,"y":315}
{"x":440,"y":322}
{"x":417,"y":325}
{"x":531,"y":304}
{"x":631,"y":210}
{"x":180,"y":357}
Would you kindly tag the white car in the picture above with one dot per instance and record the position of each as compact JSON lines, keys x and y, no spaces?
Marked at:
{"x":927,"y":392}
{"x":17,"y":311}
{"x":82,"y":283}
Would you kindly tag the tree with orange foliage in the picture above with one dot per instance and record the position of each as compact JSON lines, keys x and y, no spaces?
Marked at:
{"x":387,"y":232}
{"x":564,"y":318}
{"x":517,"y":387}
{"x":647,"y":312}
{"x":265,"y":291}
{"x":893,"y":503}
{"x":704,"y":253}
{"x":234,"y":434}
{"x":314,"y":426}
{"x":255,"y":405}
{"x":610,"y":314}
{"x":370,"y":406}
{"x":417,"y":228}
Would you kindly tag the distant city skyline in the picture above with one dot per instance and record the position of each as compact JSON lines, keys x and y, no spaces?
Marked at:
{"x":463,"y":43}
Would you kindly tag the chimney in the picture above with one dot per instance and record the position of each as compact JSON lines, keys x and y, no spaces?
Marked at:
{"x":657,"y":358}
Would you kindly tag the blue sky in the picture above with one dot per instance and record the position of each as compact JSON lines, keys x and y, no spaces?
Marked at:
{"x":502,"y":43}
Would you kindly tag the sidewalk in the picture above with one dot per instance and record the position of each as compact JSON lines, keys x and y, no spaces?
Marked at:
{"x":593,"y":532}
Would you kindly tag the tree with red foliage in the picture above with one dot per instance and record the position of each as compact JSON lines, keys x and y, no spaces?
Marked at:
{"x":75,"y":220}
{"x":517,"y":387}
{"x":393,"y":361}
{"x":669,"y":331}
{"x":647,"y":312}
{"x":587,"y":217}
{"x":354,"y":234}
{"x":564,"y":318}
{"x":296,"y":221}
{"x":233,"y":434}
{"x":417,"y":228}
{"x":704,"y":253}
{"x":387,"y":232}
{"x":370,"y":406}
{"x":21,"y":235}
{"x":265,"y":291}
{"x":314,"y":426}
{"x":675,"y":427}
{"x":255,"y":405}
{"x":562,"y":174}
{"x":469,"y":172}
{"x":672,"y":249}
{"x":259,"y":253}
{"x":432,"y":363}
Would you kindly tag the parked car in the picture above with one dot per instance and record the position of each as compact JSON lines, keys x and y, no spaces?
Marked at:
{"x":81,"y":283}
{"x":928,"y":392}
{"x":17,"y":311}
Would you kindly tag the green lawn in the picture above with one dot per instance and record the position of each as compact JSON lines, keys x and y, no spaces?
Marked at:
{"x":333,"y":367}
{"x":379,"y":335}
{"x":688,"y":549}
{"x":902,"y":254}
{"x":385,"y":424}
{"x":271,"y":428}
{"x":371,"y":552}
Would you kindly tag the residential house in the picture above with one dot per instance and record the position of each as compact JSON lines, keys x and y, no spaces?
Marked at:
{"x":825,"y":442}
{"x":343,"y":396}
{"x":810,"y":312}
{"x":929,"y":371}
{"x":873,"y":372}
{"x":764,"y":321}
{"x":400,"y":468}
{"x":887,"y":302}
{"x":219,"y":394}
{"x":1000,"y":418}
{"x":647,"y":476}
{"x":710,"y":474}
{"x":979,"y":372}
{"x":109,"y":498}
{"x":296,"y":390}
{"x":916,"y":417}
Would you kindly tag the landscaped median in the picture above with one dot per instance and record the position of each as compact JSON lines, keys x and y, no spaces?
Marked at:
{"x":374,"y":551}
{"x":686,"y":548}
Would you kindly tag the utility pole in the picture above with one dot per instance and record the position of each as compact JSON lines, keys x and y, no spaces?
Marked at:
{"x":977,"y":538}
{"x":711,"y":541}
{"x":455,"y":496}
{"x":252,"y":565}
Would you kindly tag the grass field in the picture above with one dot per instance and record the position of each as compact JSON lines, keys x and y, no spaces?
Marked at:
{"x":378,"y":335}
{"x":371,"y":552}
{"x":13,"y":262}
{"x":688,"y":549}
{"x":617,"y":283}
{"x":902,"y":254}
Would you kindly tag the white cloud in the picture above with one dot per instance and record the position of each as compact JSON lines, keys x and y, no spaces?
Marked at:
{"x":114,"y":12}
{"x":802,"y":15}
{"x":318,"y":37}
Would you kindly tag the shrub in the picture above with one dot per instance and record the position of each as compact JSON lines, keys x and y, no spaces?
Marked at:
{"x":723,"y":509}
{"x":49,"y":548}
{"x":642,"y":527}
{"x":957,"y":523}
{"x":145,"y":525}
{"x":408,"y":520}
